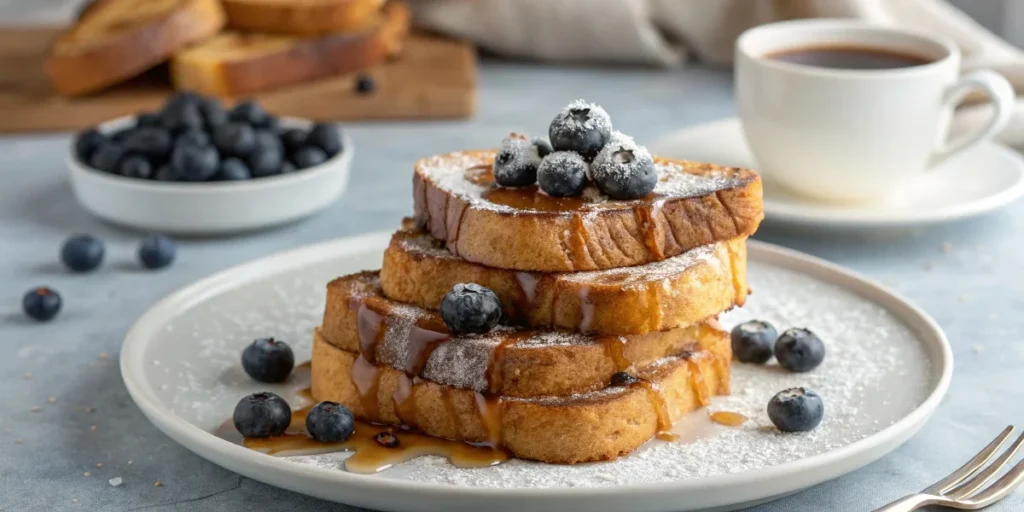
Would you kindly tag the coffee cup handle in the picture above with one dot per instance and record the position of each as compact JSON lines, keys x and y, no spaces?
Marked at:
{"x":998,"y":90}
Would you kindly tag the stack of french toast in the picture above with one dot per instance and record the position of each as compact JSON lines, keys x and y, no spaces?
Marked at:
{"x":556,"y":298}
{"x":224,"y":47}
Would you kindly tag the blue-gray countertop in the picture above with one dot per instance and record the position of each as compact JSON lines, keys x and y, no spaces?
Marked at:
{"x":967,"y":275}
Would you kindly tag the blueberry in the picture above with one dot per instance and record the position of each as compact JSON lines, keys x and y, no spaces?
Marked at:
{"x":248,"y":112}
{"x":268,"y":139}
{"x":87,"y":142}
{"x":165,"y":173}
{"x":119,"y":135}
{"x":516,"y":163}
{"x":293,"y":140}
{"x":624,"y":379}
{"x":149,"y":141}
{"x":562,"y":174}
{"x":330,"y":422}
{"x":753,"y":341}
{"x":182,"y":98}
{"x":624,"y":169}
{"x":287,"y":167}
{"x":195,"y":163}
{"x":387,"y":439}
{"x":149,"y":120}
{"x":308,"y":157}
{"x":233,"y":169}
{"x":82,"y":253}
{"x":213,"y":112}
{"x":192,"y":137}
{"x":543,"y":146}
{"x":262,"y":414}
{"x":365,"y":84}
{"x":107,"y":157}
{"x":182,"y":116}
{"x":796,"y":410}
{"x":268,"y":156}
{"x":135,"y":166}
{"x":270,"y":123}
{"x":157,"y":251}
{"x":268,"y":360}
{"x":326,"y":137}
{"x":41,"y":303}
{"x":581,"y":127}
{"x":237,"y":139}
{"x":470,"y":308}
{"x":799,"y":350}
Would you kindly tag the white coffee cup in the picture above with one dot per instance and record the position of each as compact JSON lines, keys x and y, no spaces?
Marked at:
{"x":850,"y":134}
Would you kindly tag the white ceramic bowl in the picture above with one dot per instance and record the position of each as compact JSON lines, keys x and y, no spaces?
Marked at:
{"x":211,"y":208}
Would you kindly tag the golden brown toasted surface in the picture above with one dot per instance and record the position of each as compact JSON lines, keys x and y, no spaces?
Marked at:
{"x":600,"y":425}
{"x":300,"y":17}
{"x":678,"y":291}
{"x":235,"y":63}
{"x":694,"y":204}
{"x":509,"y":362}
{"x":114,"y":40}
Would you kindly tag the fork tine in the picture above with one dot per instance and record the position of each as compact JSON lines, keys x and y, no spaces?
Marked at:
{"x":972,"y":485}
{"x":972,"y":465}
{"x":1000,"y":489}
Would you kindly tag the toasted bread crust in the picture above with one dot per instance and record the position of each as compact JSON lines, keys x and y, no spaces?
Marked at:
{"x":680,"y":291}
{"x":235,"y":63}
{"x":529,"y":365}
{"x":563,"y":430}
{"x":99,"y":50}
{"x":615,"y":234}
{"x":293,"y":17}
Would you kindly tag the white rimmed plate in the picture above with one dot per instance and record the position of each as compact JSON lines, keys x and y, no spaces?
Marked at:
{"x":978,"y":181}
{"x":213,"y":208}
{"x":887,"y":369}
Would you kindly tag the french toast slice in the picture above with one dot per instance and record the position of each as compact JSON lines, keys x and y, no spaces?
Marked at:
{"x":237,"y":63}
{"x":693,"y":204}
{"x":506,"y":361}
{"x":114,"y":40}
{"x":678,"y":291}
{"x":597,"y":425}
{"x":300,"y":17}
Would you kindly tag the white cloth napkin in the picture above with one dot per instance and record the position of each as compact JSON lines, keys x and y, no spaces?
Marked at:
{"x":668,"y":32}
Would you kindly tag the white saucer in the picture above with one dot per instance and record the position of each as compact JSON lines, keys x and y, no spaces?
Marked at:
{"x":982,"y":179}
{"x":888,"y":367}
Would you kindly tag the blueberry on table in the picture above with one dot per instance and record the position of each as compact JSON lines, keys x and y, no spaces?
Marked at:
{"x":87,"y":142}
{"x":236,"y":139}
{"x":624,"y":170}
{"x":268,"y":360}
{"x":262,"y":414}
{"x":799,"y":350}
{"x":41,"y":303}
{"x":470,"y":309}
{"x":309,"y":157}
{"x":248,"y":112}
{"x":796,"y":410}
{"x":233,"y":169}
{"x":330,"y":422}
{"x":753,"y":341}
{"x":82,"y":253}
{"x":107,"y":157}
{"x":293,"y":140}
{"x":326,"y":137}
{"x":195,"y":163}
{"x":562,"y":174}
{"x":516,"y":163}
{"x":365,"y":84}
{"x":157,"y":251}
{"x":581,"y":127}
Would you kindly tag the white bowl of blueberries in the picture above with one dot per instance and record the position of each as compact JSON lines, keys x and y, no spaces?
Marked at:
{"x":196,"y":168}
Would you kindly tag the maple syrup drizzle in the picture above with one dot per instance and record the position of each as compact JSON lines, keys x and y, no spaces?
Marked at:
{"x":615,"y":349}
{"x":729,"y":419}
{"x":586,"y":310}
{"x":490,"y":411}
{"x":646,"y":219}
{"x":528,"y":289}
{"x":449,"y":408}
{"x":405,"y":401}
{"x":660,"y":409}
{"x":366,"y":379}
{"x":421,"y":342}
{"x":370,"y":326}
{"x":700,"y":386}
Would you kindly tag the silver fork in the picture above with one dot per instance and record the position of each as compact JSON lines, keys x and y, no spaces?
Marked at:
{"x":960,"y":489}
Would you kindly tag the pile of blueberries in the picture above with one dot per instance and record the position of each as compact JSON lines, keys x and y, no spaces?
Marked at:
{"x":85,"y":253}
{"x":583,"y":147}
{"x":195,"y":139}
{"x":797,"y":350}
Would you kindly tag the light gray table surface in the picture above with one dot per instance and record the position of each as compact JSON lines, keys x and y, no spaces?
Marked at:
{"x":967,"y":275}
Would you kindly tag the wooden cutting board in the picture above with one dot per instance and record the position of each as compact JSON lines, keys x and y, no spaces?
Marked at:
{"x":434,"y":79}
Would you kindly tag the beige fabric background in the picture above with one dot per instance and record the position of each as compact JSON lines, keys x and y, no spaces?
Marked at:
{"x":669,"y":32}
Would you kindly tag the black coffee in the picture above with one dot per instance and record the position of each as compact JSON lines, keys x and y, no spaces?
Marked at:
{"x":849,"y":57}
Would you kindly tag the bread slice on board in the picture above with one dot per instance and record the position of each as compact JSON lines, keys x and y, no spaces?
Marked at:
{"x":300,"y":17}
{"x":678,"y":291}
{"x":694,"y":204}
{"x":599,"y":425}
{"x":237,"y":63}
{"x":114,"y":40}
{"x":505,"y":361}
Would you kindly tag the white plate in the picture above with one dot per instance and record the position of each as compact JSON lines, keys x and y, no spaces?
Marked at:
{"x":214,"y":208}
{"x":980,"y":180}
{"x":888,"y":367}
